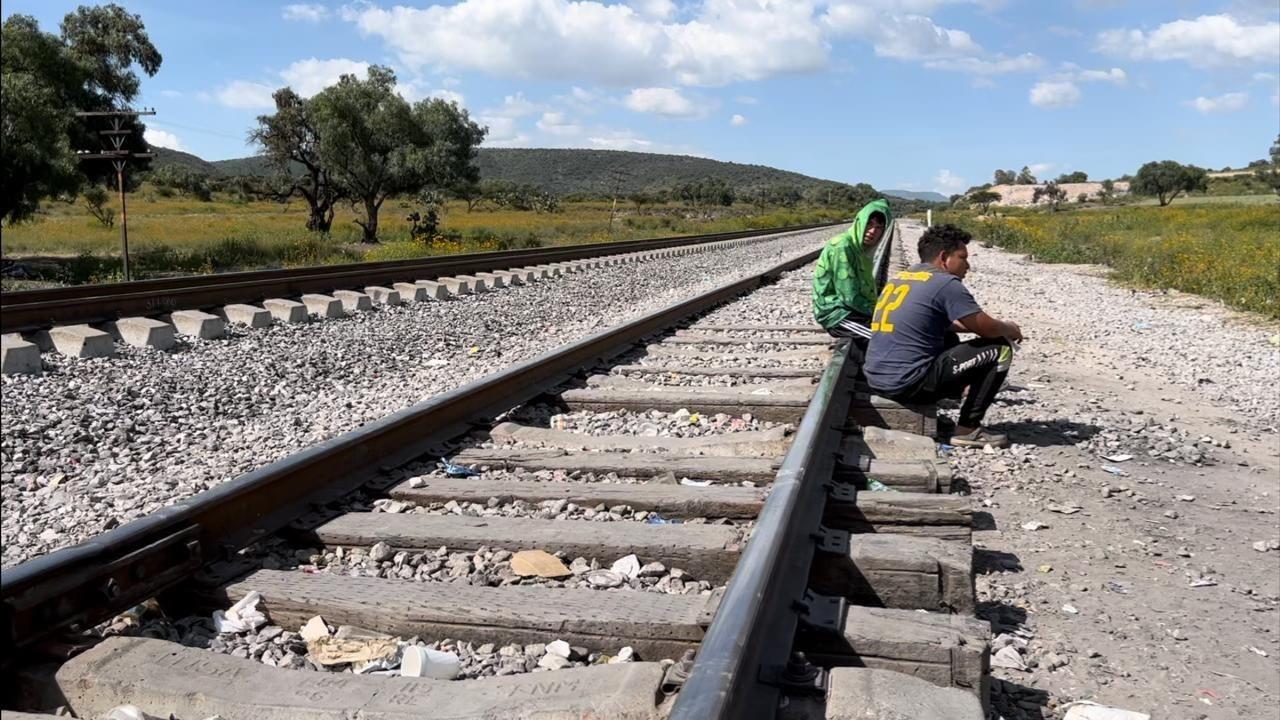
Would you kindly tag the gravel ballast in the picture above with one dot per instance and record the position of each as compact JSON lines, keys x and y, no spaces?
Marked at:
{"x":92,"y":444}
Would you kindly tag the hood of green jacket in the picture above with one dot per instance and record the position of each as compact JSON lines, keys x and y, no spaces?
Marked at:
{"x":859,"y":225}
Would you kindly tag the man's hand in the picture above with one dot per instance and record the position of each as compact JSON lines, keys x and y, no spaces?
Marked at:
{"x":983,"y":325}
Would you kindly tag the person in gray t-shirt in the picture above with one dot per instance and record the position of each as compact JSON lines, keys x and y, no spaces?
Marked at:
{"x":915,"y":355}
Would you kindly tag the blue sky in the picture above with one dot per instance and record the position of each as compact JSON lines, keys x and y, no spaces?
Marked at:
{"x":910,"y":94}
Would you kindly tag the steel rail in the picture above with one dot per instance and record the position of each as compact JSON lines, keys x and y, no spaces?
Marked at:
{"x":35,"y":309}
{"x":741,"y":666}
{"x":754,"y":628}
{"x":77,"y":587}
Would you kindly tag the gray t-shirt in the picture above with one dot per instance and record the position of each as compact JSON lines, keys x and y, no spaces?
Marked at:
{"x":915,"y":309}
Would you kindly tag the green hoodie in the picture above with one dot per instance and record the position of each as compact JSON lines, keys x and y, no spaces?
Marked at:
{"x":842,"y":282}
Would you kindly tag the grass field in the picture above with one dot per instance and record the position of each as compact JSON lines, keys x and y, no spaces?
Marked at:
{"x":1228,"y":251}
{"x":179,"y":235}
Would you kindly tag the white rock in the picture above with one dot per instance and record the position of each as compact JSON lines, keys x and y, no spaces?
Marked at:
{"x":628,"y":567}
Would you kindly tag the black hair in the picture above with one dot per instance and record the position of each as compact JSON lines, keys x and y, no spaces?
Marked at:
{"x":877,"y":214}
{"x":941,"y":238}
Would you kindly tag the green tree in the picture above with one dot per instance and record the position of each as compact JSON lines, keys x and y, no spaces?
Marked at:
{"x":1108,"y":192}
{"x":1025,"y":177}
{"x":984,"y":199}
{"x":44,"y":80}
{"x":1167,"y":179}
{"x":1051,"y":193}
{"x":290,"y":142}
{"x":1269,"y":172}
{"x":1078,"y":176}
{"x":375,"y":144}
{"x":95,"y":199}
{"x":1005,"y":177}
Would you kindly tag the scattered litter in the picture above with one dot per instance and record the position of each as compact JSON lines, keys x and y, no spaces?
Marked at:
{"x":666,"y":478}
{"x":127,"y":712}
{"x":605,"y":579}
{"x":1008,"y":657}
{"x":945,"y":448}
{"x":436,"y":362}
{"x":1118,"y":587}
{"x":1070,"y":609}
{"x":1064,"y":509}
{"x":1274,"y":339}
{"x":694,"y":418}
{"x":1258,"y":651}
{"x":1117,"y":458}
{"x":626,"y":654}
{"x":314,"y":629}
{"x":762,"y":391}
{"x":1086,"y":710}
{"x":656,"y":519}
{"x":332,"y":650}
{"x":1045,"y":569}
{"x":694,"y":483}
{"x":540,"y":563}
{"x":1115,"y":470}
{"x":1142,"y":326}
{"x":423,"y":662}
{"x":1034,"y":525}
{"x":1263,"y":546}
{"x":1187,"y":498}
{"x":1203,"y":582}
{"x":241,"y":617}
{"x":876,"y":486}
{"x":455,"y":470}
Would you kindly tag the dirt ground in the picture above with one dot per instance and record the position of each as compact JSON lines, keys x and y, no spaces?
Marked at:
{"x":1152,"y":585}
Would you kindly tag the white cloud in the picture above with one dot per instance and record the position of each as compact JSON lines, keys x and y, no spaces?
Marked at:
{"x":503,"y":132}
{"x":450,"y":82}
{"x":1054,"y":93}
{"x":1116,"y":76}
{"x":557,"y":123}
{"x":997,"y":65}
{"x":1209,"y":40}
{"x":161,"y":138}
{"x":1228,"y":102}
{"x":660,"y":9}
{"x":737,"y":121}
{"x":1272,"y":80}
{"x":667,"y":102}
{"x":948,"y":184}
{"x":659,"y":43}
{"x":171,"y":93}
{"x":306,"y":12}
{"x":310,"y":76}
{"x":747,"y":100}
{"x":620,"y":140}
{"x":1040,"y":168}
{"x":245,"y":95}
{"x":1066,"y":32}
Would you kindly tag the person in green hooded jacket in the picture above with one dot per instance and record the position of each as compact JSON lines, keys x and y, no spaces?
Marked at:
{"x":844,"y":291}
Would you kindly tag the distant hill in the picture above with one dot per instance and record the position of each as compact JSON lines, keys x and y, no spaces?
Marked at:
{"x":927,"y":196}
{"x":565,"y":171}
{"x":165,"y":156}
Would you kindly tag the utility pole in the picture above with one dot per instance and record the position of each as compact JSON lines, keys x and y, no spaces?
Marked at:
{"x":119,"y":157}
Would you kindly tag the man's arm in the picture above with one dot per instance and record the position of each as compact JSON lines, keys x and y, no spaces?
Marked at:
{"x":983,"y":325}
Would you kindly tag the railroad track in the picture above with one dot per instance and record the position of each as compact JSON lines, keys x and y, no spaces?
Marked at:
{"x":88,"y":320}
{"x":664,"y":519}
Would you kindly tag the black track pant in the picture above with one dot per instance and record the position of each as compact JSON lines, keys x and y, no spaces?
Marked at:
{"x":980,"y":365}
{"x":857,"y":328}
